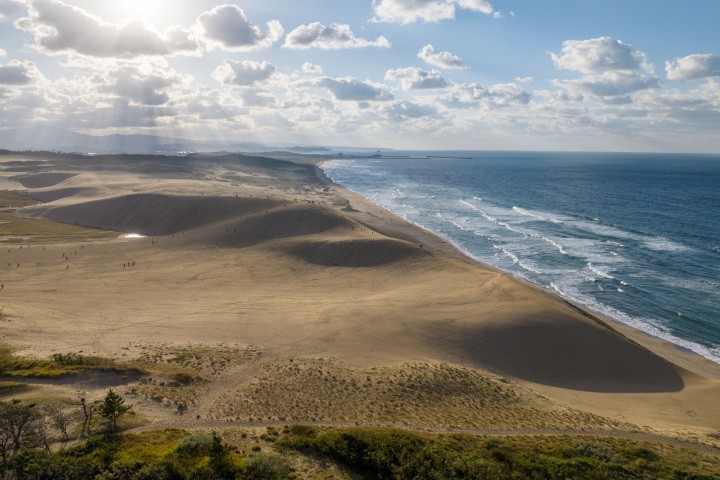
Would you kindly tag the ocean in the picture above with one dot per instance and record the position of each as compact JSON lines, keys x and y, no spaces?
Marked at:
{"x":635,"y":237}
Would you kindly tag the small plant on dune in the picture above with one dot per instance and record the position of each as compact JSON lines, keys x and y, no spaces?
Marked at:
{"x":195,"y":445}
{"x":220,"y":460}
{"x":112,"y":408}
{"x":266,"y":467}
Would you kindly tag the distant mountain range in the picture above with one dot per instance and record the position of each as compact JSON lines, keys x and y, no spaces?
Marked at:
{"x":20,"y":139}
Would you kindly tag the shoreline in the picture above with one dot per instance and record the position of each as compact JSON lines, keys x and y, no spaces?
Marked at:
{"x":677,"y":354}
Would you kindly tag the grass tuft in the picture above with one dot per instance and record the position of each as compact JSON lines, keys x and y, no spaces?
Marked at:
{"x":59,"y":365}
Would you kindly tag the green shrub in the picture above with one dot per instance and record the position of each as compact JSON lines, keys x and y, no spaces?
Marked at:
{"x":265,"y":467}
{"x":194,"y":446}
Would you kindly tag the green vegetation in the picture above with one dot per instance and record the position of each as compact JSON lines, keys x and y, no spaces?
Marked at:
{"x":15,"y":199}
{"x":16,"y":229}
{"x":59,"y":365}
{"x":12,"y":388}
{"x":394,"y":454}
{"x":112,"y":408}
{"x":373,"y":453}
{"x":148,"y":456}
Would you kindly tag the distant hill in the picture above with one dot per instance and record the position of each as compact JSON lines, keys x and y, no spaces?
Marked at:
{"x":47,"y":138}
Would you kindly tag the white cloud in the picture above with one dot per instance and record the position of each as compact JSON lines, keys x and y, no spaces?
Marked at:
{"x":332,"y":37}
{"x":312,"y":69}
{"x":257,"y":98}
{"x":403,"y":110}
{"x":599,"y":55}
{"x":693,"y":67}
{"x":476,"y":6}
{"x":227,"y":28}
{"x":350,"y":89}
{"x":411,"y":11}
{"x":412,"y":78}
{"x":17,"y":73}
{"x":524,"y":79}
{"x":61,"y":28}
{"x":9,"y":8}
{"x":3,"y":53}
{"x":138,"y":86}
{"x":611,"y":84}
{"x":613,"y":71}
{"x":473,"y":95}
{"x":444,"y":59}
{"x":244,"y":73}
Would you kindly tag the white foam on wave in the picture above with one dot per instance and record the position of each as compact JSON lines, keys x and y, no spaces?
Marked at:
{"x":133,"y":236}
{"x":536,"y":215}
{"x":503,"y":224}
{"x":661,"y":244}
{"x":468,"y":204}
{"x":556,"y":245}
{"x":702,"y":285}
{"x":598,"y":271}
{"x":517,"y":261}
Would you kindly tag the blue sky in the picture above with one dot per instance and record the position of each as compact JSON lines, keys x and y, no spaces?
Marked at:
{"x":503,"y":74}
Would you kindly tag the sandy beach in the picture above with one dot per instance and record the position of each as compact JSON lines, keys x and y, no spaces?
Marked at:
{"x":292,"y":299}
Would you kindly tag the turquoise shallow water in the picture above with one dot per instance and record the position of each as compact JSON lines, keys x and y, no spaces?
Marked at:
{"x":635,"y":237}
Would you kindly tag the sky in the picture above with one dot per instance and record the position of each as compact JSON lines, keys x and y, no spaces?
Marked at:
{"x":409,"y":74}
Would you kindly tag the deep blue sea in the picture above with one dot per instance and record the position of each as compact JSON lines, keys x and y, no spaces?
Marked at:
{"x":635,"y":237}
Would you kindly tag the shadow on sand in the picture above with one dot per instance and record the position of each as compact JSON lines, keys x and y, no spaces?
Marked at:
{"x":566,"y":353}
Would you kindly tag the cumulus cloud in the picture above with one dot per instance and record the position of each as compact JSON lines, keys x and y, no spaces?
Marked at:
{"x":411,"y":11}
{"x":226,"y":27}
{"x":138,"y":86}
{"x":61,"y":28}
{"x":599,"y":55}
{"x":351,"y":89}
{"x":693,"y":67}
{"x":611,"y":84}
{"x":332,"y":37}
{"x":244,"y":73}
{"x":613,"y":70}
{"x":473,"y":95}
{"x":404,"y":110}
{"x":312,"y":69}
{"x":257,"y":98}
{"x":16,"y":73}
{"x":444,"y":59}
{"x":3,"y":53}
{"x":412,"y":78}
{"x":10,"y":7}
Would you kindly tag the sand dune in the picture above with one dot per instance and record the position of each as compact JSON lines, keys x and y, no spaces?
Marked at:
{"x":153,"y":214}
{"x":53,"y":194}
{"x":43,"y":180}
{"x":354,"y":252}
{"x":276,"y":222}
{"x":314,"y":271}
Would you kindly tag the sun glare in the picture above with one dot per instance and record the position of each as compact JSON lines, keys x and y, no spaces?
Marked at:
{"x":145,"y":9}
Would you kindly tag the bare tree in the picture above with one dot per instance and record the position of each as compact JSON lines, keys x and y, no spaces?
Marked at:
{"x":20,"y":424}
{"x":5,"y":441}
{"x":60,"y":420}
{"x":87,"y":410}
